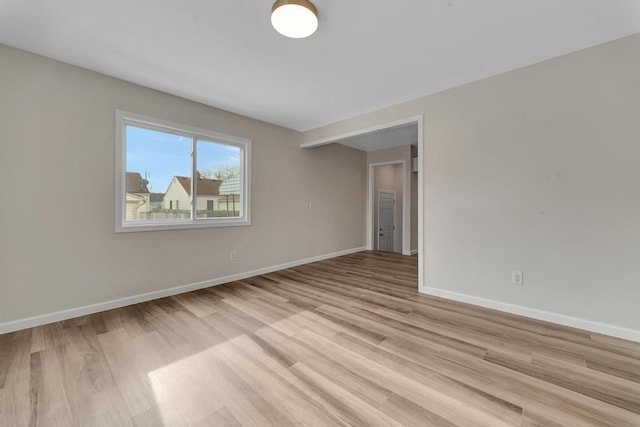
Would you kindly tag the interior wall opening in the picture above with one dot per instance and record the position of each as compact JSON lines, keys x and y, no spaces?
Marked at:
{"x":400,"y":142}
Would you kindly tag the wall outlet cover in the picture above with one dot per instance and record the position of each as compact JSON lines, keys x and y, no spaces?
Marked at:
{"x":517,"y":278}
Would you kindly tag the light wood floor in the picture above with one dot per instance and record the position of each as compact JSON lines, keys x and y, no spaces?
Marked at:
{"x":347,"y":341}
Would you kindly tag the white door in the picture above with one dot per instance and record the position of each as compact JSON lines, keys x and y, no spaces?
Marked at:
{"x":386,"y":208}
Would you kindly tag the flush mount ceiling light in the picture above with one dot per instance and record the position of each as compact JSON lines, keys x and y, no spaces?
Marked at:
{"x":296,"y":19}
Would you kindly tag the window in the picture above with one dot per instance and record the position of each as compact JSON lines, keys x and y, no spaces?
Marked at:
{"x":169,"y":176}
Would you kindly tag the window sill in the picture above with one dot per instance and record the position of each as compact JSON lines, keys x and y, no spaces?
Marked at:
{"x":155,"y":226}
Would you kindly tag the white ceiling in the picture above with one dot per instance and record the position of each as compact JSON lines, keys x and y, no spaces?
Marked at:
{"x":366,"y":54}
{"x":396,"y":136}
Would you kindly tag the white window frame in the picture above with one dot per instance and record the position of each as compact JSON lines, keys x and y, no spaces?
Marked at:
{"x":124,"y":118}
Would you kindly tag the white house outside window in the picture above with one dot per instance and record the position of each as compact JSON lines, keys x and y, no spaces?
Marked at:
{"x":172,"y":176}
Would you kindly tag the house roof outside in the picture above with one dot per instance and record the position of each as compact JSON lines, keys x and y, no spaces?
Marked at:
{"x":230,"y":186}
{"x":205,"y":187}
{"x":135,"y":183}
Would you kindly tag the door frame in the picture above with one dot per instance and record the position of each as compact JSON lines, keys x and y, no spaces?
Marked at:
{"x":406,"y":206}
{"x":377,"y":212}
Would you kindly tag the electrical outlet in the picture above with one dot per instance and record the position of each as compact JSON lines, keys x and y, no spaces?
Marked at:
{"x":517,"y":278}
{"x":233,"y":256}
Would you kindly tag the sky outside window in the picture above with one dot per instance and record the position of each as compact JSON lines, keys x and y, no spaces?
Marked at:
{"x":159,"y":156}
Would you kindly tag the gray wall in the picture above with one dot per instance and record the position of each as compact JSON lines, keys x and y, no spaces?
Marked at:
{"x":535,"y":170}
{"x":58,"y":249}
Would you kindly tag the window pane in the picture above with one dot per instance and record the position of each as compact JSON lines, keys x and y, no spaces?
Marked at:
{"x":219,"y":182}
{"x":158,"y":176}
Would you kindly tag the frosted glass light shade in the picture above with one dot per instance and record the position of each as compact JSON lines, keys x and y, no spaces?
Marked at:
{"x":296,"y":19}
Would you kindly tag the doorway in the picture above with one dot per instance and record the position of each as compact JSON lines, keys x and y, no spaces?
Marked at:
{"x":388,"y":211}
{"x":389,"y":177}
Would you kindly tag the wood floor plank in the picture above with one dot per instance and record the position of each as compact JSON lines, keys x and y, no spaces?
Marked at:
{"x":221,"y":418}
{"x":512,"y":385}
{"x":346,"y":341}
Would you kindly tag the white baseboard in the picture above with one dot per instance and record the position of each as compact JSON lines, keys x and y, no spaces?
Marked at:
{"x":561,"y":319}
{"x":30,"y":322}
{"x":413,"y":252}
